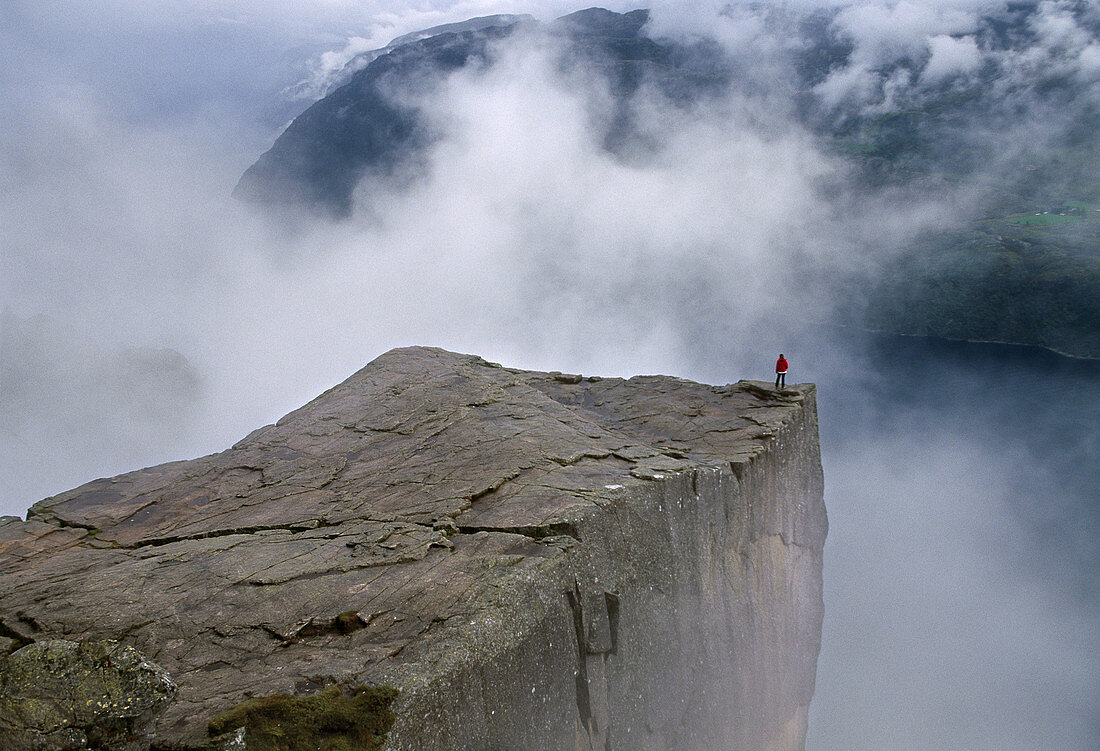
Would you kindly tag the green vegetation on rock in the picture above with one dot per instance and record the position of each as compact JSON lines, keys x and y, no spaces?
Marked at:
{"x":333,"y":720}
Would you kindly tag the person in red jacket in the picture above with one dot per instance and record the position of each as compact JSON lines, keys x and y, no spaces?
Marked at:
{"x":780,"y":372}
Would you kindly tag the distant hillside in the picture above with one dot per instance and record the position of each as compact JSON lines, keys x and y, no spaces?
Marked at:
{"x":1000,"y":111}
{"x":997,"y":282}
{"x":369,"y":128}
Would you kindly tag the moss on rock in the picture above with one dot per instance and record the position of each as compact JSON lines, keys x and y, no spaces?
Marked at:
{"x":336,"y":719}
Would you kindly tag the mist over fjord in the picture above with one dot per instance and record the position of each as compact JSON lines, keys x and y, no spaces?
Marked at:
{"x":147,"y":317}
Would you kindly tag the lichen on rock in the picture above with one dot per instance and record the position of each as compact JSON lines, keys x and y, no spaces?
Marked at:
{"x":59,"y":695}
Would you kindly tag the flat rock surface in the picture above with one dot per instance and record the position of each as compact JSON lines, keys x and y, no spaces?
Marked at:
{"x":399,"y":498}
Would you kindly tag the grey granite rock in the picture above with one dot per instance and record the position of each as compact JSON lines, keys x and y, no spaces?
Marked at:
{"x":534,"y":560}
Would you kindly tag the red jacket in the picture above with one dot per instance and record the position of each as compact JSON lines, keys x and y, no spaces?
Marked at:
{"x":781,"y":365}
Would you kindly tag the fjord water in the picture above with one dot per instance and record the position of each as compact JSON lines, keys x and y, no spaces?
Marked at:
{"x":962,"y":606}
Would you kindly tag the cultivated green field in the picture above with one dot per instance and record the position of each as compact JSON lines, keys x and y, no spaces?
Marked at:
{"x":1044,"y":219}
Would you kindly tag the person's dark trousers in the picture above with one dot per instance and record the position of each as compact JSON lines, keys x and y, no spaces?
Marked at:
{"x":781,"y":378}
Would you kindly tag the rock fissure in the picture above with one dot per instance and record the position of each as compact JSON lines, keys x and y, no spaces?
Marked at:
{"x":60,"y":522}
{"x":583,"y":697}
{"x":534,"y":531}
{"x":19,"y":635}
{"x":154,"y":542}
{"x":293,"y":528}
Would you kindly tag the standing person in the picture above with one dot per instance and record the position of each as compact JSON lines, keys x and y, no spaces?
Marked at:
{"x":780,"y":372}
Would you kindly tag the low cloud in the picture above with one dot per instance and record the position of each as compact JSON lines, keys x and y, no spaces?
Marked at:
{"x":73,"y":410}
{"x":950,"y":57}
{"x":959,"y":645}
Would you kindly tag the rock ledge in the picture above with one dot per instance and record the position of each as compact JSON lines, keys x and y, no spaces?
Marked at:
{"x":533,"y":560}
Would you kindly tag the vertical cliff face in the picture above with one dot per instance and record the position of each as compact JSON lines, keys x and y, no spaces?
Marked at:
{"x":533,"y":560}
{"x":691,"y":593}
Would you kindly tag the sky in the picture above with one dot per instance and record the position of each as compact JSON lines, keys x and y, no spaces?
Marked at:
{"x":145,"y":316}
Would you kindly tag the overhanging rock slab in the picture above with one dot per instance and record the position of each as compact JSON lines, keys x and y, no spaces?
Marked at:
{"x":534,"y":560}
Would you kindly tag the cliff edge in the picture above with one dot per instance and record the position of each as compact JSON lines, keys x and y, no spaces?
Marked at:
{"x":532,"y":560}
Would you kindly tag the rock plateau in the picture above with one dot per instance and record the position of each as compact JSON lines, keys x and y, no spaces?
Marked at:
{"x":532,"y":560}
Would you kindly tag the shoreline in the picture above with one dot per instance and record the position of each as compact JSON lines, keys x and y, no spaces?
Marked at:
{"x":956,"y":340}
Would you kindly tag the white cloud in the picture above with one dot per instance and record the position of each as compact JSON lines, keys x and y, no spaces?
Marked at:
{"x":959,"y":644}
{"x":1064,"y":48}
{"x":327,"y":68}
{"x":883,"y":33}
{"x":1089,"y":62}
{"x":1057,"y":28}
{"x":853,"y":84}
{"x":1068,"y":47}
{"x":950,"y":57}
